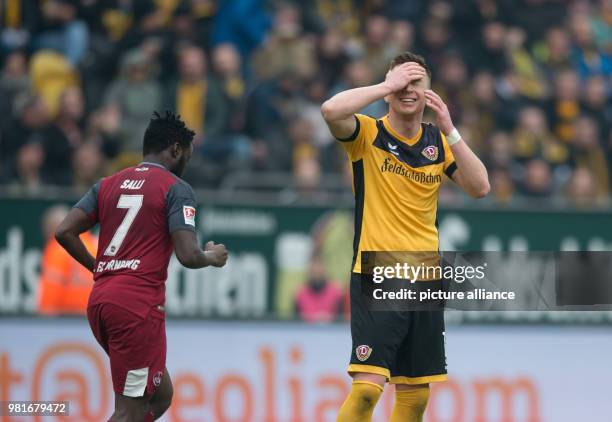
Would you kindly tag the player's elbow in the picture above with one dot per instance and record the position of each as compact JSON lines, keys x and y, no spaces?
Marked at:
{"x":62,"y":232}
{"x":481,"y":190}
{"x":187,"y":260}
{"x":187,"y":263}
{"x":328,"y":111}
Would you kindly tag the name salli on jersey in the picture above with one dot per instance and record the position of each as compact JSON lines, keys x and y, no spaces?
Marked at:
{"x":396,"y":168}
{"x":132,"y":184}
{"x":117,"y":264}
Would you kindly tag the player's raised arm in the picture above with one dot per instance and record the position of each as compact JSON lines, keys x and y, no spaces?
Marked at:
{"x":339,"y":110}
{"x":471,"y":174}
{"x":190,"y":255}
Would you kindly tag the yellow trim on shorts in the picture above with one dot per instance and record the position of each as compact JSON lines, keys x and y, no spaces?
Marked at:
{"x":418,"y":380}
{"x":369,"y":369}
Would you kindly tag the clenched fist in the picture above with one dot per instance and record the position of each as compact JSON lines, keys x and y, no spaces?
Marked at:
{"x":216,"y":253}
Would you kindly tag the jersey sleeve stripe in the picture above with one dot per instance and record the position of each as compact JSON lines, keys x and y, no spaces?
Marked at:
{"x":354,"y":134}
{"x":451,"y":169}
{"x":359,"y":188}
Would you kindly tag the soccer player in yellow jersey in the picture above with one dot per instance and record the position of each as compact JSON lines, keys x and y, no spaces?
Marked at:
{"x":398,"y":164}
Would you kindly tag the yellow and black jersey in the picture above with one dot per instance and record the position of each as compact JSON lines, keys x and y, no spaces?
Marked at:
{"x":396,"y":182}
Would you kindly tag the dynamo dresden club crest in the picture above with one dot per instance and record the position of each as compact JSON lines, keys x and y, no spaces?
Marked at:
{"x":363,"y":352}
{"x":431,"y":153}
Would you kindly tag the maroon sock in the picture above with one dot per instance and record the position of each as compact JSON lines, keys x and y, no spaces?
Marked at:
{"x":149,"y":417}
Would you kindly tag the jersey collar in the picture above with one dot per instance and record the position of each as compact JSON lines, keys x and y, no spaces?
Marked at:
{"x":409,"y":141}
{"x":148,"y":163}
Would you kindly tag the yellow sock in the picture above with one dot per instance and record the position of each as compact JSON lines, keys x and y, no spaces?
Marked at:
{"x":410,"y":405}
{"x":360,"y":403}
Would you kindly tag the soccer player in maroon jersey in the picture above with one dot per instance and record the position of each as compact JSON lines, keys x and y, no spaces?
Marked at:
{"x":144,"y":213}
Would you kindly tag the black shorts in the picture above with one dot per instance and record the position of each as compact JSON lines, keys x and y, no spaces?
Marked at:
{"x":407,"y":347}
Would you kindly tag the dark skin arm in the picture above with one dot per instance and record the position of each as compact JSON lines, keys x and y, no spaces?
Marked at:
{"x":190,"y":255}
{"x":185,"y":242}
{"x":67,"y":235}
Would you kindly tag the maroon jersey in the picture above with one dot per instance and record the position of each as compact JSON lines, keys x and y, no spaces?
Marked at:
{"x":138,"y":209}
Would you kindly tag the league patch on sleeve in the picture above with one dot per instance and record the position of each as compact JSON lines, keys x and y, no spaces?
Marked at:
{"x":189,"y":215}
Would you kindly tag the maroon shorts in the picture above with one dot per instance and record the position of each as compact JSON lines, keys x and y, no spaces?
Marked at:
{"x":136,"y":346}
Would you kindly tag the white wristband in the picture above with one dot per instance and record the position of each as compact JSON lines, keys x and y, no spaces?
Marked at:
{"x":453,"y":137}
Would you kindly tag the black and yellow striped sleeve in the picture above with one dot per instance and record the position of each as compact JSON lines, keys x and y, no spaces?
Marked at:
{"x":449,"y":159}
{"x":356,"y":144}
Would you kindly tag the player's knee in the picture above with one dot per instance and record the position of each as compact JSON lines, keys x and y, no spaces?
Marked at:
{"x":366,"y":401}
{"x":361,"y":401}
{"x":367,"y":389}
{"x":414,"y":397}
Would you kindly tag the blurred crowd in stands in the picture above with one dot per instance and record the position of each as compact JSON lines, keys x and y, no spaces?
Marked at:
{"x":527,"y":81}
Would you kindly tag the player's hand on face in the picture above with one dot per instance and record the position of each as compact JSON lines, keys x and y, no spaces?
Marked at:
{"x":443,"y":118}
{"x":402,"y":75}
{"x":217,"y":253}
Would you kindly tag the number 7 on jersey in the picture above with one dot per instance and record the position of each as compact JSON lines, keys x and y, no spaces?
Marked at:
{"x":132,"y":203}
